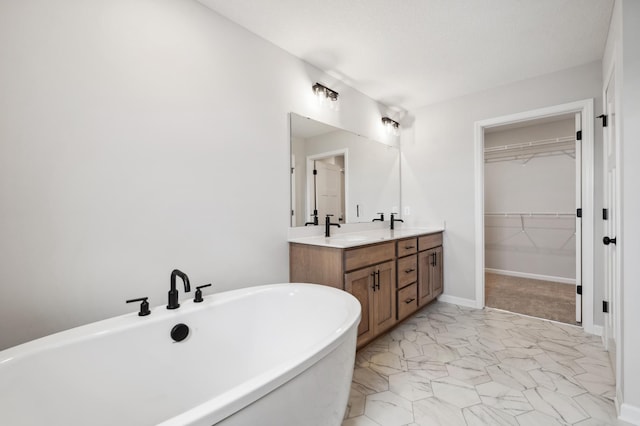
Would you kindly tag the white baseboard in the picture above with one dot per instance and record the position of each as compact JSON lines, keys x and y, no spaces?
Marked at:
{"x":598,"y":330}
{"x":618,"y":399}
{"x":630,"y":414}
{"x":562,"y":280}
{"x":469,"y":303}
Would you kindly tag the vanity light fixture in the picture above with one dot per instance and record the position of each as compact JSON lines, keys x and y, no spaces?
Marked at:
{"x":323,"y":93}
{"x":392,"y":126}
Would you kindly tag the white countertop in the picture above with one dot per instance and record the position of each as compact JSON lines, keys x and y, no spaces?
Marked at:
{"x":354,"y":239}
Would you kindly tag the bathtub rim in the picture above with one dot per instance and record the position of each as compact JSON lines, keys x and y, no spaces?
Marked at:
{"x":223,"y":406}
{"x":217,"y":408}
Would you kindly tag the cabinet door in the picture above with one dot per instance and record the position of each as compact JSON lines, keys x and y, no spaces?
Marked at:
{"x":436,"y":271}
{"x":360,"y":284}
{"x":384,"y":296}
{"x":425,"y":290}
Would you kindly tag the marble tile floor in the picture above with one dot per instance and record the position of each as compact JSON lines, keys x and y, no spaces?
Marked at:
{"x":451,"y":365}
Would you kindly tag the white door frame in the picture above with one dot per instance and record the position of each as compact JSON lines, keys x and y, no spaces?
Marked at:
{"x":309,"y":179}
{"x":585,"y":107}
{"x":294,"y":208}
{"x":578,"y":220}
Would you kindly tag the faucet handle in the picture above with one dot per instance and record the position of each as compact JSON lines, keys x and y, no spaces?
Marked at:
{"x":144,"y":306}
{"x":198,"y":297}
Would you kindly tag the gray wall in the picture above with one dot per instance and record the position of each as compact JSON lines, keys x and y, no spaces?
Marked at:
{"x":138,"y":137}
{"x":438,"y":159}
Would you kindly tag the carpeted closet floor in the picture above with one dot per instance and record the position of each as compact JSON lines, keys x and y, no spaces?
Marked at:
{"x":542,"y":299}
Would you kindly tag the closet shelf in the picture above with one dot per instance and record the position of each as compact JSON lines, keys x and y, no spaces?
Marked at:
{"x":531,"y":214}
{"x":525,"y":151}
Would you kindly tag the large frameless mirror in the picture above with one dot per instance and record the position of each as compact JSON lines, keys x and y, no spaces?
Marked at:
{"x":339,"y":173}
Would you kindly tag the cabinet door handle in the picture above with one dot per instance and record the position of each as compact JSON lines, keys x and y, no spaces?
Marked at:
{"x":407,"y":271}
{"x":433,"y":259}
{"x":378,"y":285}
{"x":409,"y":300}
{"x":373,"y":274}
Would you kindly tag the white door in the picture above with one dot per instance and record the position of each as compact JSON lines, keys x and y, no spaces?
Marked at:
{"x":578,"y":233}
{"x":610,"y":225}
{"x":329,"y":190}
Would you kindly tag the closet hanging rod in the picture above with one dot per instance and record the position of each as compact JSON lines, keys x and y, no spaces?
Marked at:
{"x":532,"y":144}
{"x":530,"y":214}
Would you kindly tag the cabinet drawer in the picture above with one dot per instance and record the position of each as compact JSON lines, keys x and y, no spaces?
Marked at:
{"x":407,"y":270}
{"x":408,"y":246}
{"x":407,"y":301}
{"x":429,"y":241}
{"x":365,"y":256}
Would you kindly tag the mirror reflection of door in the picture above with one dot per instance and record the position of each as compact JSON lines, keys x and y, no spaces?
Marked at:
{"x":329,"y":187}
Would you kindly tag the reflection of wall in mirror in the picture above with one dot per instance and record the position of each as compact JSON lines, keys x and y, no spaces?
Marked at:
{"x":372,"y":175}
{"x":299,"y":171}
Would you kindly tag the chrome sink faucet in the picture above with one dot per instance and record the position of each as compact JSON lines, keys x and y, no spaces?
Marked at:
{"x":173,"y":292}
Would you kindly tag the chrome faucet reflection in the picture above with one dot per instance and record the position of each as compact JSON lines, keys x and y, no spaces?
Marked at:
{"x":173,"y":292}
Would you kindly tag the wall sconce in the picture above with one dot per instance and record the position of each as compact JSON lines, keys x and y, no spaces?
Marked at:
{"x":324,"y":94}
{"x":392,"y":126}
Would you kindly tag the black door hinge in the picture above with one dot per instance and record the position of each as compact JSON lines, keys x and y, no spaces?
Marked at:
{"x":605,"y":306}
{"x":579,"y":135}
{"x":604,"y":120}
{"x":579,"y":212}
{"x":315,"y":172}
{"x":605,"y":214}
{"x":579,"y":289}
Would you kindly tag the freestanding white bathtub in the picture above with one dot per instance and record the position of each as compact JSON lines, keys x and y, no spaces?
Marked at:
{"x":279,"y":354}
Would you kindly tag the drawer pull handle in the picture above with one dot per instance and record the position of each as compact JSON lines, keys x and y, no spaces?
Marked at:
{"x":407,"y":271}
{"x":409,"y":300}
{"x":409,"y":247}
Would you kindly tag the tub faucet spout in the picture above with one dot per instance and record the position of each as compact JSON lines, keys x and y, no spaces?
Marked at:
{"x":173,"y":292}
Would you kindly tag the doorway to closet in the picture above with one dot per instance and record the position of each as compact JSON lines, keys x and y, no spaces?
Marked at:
{"x":532,"y":193}
{"x":584,"y":289}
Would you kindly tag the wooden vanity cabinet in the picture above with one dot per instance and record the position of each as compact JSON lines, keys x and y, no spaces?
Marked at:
{"x":430,"y":276}
{"x":374,"y":287}
{"x":390,"y":279}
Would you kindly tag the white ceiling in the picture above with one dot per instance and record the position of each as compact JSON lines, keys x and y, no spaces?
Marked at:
{"x":411,"y":53}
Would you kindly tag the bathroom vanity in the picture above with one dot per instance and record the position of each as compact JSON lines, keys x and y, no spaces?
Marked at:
{"x":391,"y":272}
